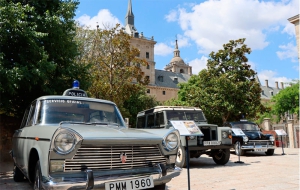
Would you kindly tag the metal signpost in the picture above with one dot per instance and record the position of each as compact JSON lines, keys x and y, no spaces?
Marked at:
{"x":281,"y":133}
{"x":238,"y":132}
{"x":187,"y":129}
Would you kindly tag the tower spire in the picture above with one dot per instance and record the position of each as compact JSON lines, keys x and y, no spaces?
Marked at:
{"x":129,"y":19}
{"x":176,"y":50}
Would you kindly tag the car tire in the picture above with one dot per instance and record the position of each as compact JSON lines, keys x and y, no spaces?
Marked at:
{"x":270,"y":152}
{"x":17,"y":174}
{"x":37,"y":177}
{"x":238,"y":152}
{"x":221,"y":156}
{"x":181,"y":157}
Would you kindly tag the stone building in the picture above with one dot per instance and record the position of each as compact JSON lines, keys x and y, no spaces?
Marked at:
{"x":163,"y":83}
{"x":295,"y":20}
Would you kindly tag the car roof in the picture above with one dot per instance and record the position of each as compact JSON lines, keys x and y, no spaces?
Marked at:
{"x":162,"y":108}
{"x":50,"y":97}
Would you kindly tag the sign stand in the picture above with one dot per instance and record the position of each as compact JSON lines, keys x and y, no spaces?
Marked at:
{"x":282,"y":146}
{"x":187,"y":128}
{"x":239,"y":146}
{"x":187,"y":160}
{"x":281,"y":133}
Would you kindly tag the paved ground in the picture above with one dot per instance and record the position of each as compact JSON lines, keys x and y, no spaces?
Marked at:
{"x":258,"y":172}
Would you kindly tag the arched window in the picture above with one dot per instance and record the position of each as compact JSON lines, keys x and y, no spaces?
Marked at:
{"x":181,"y":71}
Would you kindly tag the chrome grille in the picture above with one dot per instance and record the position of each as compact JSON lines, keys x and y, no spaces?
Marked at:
{"x":108,"y":157}
{"x":259,"y":142}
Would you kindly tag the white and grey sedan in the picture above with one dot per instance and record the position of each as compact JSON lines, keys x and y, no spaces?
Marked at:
{"x":68,"y":142}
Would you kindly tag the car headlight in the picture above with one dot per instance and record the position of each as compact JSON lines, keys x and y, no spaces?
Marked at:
{"x":171,"y":141}
{"x":64,"y":142}
{"x":272,"y":138}
{"x":245,"y":139}
{"x":224,"y":134}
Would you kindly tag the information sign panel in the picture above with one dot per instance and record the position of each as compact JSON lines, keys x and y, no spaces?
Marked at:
{"x":187,"y":128}
{"x":280,"y":132}
{"x":238,"y":131}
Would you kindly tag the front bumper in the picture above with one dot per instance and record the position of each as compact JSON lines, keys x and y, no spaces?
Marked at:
{"x":96,"y":179}
{"x":258,"y":146}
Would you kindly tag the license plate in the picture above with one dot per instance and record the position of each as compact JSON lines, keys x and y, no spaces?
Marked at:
{"x":259,"y":150}
{"x":206,"y":143}
{"x":132,"y":184}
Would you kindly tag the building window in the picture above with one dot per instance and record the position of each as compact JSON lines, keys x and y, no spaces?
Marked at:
{"x":175,"y":79}
{"x":148,"y":66}
{"x":271,"y":93}
{"x":148,"y":91}
{"x":147,"y":55}
{"x":164,"y":92}
{"x":147,"y":78}
{"x":181,"y":71}
{"x":160,"y":78}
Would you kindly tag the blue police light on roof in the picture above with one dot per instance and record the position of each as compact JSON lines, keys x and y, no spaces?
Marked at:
{"x":76,"y":84}
{"x":75,"y":91}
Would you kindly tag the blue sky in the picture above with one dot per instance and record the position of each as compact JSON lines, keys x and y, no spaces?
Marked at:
{"x":204,"y":26}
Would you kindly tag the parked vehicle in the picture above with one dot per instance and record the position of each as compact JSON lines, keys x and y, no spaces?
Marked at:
{"x":76,"y":142}
{"x":252,"y":140}
{"x":216,"y":141}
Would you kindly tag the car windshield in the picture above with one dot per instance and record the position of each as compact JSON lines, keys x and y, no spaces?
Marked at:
{"x":246,"y":126}
{"x":185,"y":115}
{"x":54,"y":111}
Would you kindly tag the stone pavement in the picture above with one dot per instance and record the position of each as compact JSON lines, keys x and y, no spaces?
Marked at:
{"x":258,"y":172}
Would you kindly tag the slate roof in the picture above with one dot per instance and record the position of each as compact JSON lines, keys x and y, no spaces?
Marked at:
{"x":168,"y":78}
{"x":268,"y":90}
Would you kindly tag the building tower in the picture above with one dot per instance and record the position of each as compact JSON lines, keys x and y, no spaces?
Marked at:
{"x":177,"y":64}
{"x":144,"y":44}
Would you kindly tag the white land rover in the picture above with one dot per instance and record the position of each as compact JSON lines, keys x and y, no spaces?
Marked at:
{"x":215,"y":142}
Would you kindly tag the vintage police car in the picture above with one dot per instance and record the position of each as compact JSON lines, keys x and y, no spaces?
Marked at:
{"x":251,"y":138}
{"x":72,"y":142}
{"x":215,"y":142}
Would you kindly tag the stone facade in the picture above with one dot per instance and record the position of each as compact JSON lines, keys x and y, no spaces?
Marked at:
{"x":295,"y":20}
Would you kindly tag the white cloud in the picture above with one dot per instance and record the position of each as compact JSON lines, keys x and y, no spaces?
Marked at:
{"x":272,"y":77}
{"x":289,"y":51}
{"x":198,"y":64}
{"x":212,"y":23}
{"x":103,"y":18}
{"x":162,"y":49}
{"x":182,"y":41}
{"x":172,"y":16}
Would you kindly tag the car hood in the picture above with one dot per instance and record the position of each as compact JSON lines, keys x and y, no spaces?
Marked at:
{"x":113,"y":134}
{"x":256,"y":135}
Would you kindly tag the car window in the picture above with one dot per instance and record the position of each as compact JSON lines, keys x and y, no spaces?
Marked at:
{"x":159,"y":120}
{"x":56,"y":111}
{"x":25,"y":117}
{"x":246,"y":126}
{"x":185,"y":115}
{"x":31,"y":114}
{"x":141,"y":122}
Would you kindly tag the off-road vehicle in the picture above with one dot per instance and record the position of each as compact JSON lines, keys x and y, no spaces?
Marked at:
{"x":216,"y":141}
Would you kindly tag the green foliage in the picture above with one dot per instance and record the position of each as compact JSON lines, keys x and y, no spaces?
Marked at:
{"x":227,"y":89}
{"x":175,"y":102}
{"x":114,"y":63}
{"x":137,"y":102}
{"x":37,"y":51}
{"x":286,"y":102}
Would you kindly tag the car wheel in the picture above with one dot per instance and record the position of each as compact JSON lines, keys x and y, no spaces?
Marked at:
{"x":17,"y":174}
{"x":238,"y":152}
{"x":270,"y":152}
{"x":37,"y":178}
{"x":221,"y":156}
{"x":181,"y":157}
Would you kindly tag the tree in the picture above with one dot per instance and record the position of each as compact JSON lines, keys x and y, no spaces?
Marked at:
{"x":115,"y":67}
{"x":227,"y":89}
{"x":137,"y":102}
{"x":286,"y":102}
{"x":37,"y":51}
